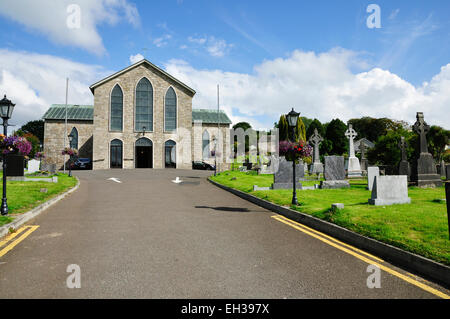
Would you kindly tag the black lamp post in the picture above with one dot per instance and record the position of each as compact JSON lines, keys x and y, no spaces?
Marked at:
{"x":70,"y":156}
{"x":215,"y":155}
{"x":6,"y":109}
{"x":292,"y":118}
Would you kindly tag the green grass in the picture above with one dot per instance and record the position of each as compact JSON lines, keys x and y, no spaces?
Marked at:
{"x":23,"y":196}
{"x":420,"y":227}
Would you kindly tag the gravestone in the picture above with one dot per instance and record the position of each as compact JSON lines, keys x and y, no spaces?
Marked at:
{"x":315,"y":140}
{"x":48,"y":168}
{"x":447,"y":171}
{"x":389,"y":190}
{"x":334,"y":173}
{"x":404,"y":167}
{"x":33,"y":166}
{"x":364,"y":160}
{"x":354,"y":168}
{"x":424,"y":173}
{"x":271,"y":167}
{"x":442,"y":169}
{"x":283,"y":175}
{"x":372,"y":172}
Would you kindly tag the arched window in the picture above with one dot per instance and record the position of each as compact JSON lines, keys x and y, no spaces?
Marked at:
{"x":144,"y":106}
{"x":170,"y":111}
{"x":116,"y":109}
{"x":74,"y":142}
{"x":170,"y":154}
{"x":205,"y":145}
{"x":116,"y":153}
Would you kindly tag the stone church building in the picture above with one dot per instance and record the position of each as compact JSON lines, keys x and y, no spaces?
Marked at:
{"x":142,"y":117}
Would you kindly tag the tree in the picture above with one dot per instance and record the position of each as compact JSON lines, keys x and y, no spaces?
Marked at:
{"x":307,"y":122}
{"x":335,"y":133}
{"x":386,"y":150}
{"x":36,"y":128}
{"x":373,"y":128}
{"x":283,"y":128}
{"x":35,"y":144}
{"x":300,"y":132}
{"x":315,"y":124}
{"x":244,"y":125}
{"x":438,"y":138}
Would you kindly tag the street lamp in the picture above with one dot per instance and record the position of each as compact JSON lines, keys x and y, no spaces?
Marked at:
{"x":6,"y":109}
{"x":70,"y":136}
{"x":215,"y":155}
{"x":292,"y":118}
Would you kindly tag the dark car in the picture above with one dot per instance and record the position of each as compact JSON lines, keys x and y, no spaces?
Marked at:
{"x":82,"y":163}
{"x":202,"y":165}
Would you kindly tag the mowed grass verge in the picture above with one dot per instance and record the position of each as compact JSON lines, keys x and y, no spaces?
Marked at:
{"x":420,"y":227}
{"x":23,"y":196}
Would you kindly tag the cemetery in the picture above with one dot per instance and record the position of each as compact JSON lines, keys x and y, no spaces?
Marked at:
{"x":402,"y":205}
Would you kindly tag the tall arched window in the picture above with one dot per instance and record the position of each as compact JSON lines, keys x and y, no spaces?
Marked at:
{"x":170,"y":154}
{"x":116,"y":109}
{"x":205,"y":145}
{"x":170,"y":111}
{"x":74,"y":142}
{"x":144,"y":106}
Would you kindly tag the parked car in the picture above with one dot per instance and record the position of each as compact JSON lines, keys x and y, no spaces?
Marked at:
{"x":202,"y":165}
{"x":82,"y":163}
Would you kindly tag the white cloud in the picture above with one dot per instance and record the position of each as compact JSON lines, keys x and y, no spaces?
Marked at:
{"x":136,"y":58}
{"x":215,"y":47}
{"x":319,"y":86}
{"x":35,"y":81}
{"x":50,"y":17}
{"x":393,"y":14}
{"x":162,"y":41}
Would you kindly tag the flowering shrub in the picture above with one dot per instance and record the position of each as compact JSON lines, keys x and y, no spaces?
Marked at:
{"x":69,"y":151}
{"x":39,"y":155}
{"x":14,"y":145}
{"x":295,"y":151}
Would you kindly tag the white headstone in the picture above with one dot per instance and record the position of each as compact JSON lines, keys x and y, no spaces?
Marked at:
{"x":354,"y":168}
{"x":372,"y":171}
{"x":33,"y":166}
{"x":389,"y":190}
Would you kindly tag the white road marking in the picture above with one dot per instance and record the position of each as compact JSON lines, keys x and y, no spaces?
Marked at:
{"x":114,"y":180}
{"x":177,"y":180}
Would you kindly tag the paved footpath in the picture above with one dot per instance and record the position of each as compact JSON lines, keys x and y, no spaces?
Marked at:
{"x":148,"y":237}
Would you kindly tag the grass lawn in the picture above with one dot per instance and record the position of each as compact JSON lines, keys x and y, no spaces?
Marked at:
{"x":23,"y":196}
{"x":420,"y":227}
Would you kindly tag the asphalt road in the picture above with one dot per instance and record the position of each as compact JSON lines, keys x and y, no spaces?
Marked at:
{"x":148,"y":237}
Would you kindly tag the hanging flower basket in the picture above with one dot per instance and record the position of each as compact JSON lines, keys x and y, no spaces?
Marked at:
{"x":295,"y":151}
{"x":39,"y":155}
{"x":69,"y":151}
{"x":14,"y":145}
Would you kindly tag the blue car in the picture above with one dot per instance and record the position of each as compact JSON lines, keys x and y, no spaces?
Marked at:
{"x":82,"y":163}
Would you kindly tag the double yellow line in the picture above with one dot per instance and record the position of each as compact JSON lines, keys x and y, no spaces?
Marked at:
{"x":24,"y":231}
{"x":362,"y":255}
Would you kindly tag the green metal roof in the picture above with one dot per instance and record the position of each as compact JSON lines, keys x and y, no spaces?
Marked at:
{"x":74,"y":112}
{"x":86,"y":113}
{"x":209,"y":116}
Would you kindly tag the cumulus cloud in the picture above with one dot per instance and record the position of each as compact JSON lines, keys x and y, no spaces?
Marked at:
{"x":320,"y":86}
{"x":50,"y":18}
{"x":35,"y":81}
{"x":162,"y":41}
{"x":214,"y":46}
{"x":136,"y":58}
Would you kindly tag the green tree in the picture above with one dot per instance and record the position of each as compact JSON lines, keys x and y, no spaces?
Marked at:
{"x":34,"y":140}
{"x":335,"y":133}
{"x":437,"y":138}
{"x":315,"y":124}
{"x":373,"y":128}
{"x":36,"y":128}
{"x":283,"y":128}
{"x":307,"y":122}
{"x":386,"y":150}
{"x":300,"y":132}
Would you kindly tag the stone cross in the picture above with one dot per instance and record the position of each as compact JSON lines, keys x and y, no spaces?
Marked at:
{"x":403,"y":145}
{"x":421,"y":128}
{"x":315,"y":140}
{"x":351,"y":134}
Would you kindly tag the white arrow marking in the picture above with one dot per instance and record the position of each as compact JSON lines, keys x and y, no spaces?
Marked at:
{"x":177,"y":180}
{"x":114,"y":180}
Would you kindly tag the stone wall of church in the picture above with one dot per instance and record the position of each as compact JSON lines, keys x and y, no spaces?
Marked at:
{"x":128,"y":81}
{"x":54,"y":132}
{"x":223,"y":145}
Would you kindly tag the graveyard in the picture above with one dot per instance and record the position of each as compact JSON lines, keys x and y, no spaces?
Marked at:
{"x":25,"y":195}
{"x":419,"y":227}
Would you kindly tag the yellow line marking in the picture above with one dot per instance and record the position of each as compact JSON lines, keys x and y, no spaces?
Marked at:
{"x":12,"y":235}
{"x":370,"y":262}
{"x":18,"y":240}
{"x":331,"y":238}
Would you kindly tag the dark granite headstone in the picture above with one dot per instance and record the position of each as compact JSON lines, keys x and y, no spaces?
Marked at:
{"x":283,"y":176}
{"x":334,"y":168}
{"x":404,"y":167}
{"x":424,"y":173}
{"x":447,"y":171}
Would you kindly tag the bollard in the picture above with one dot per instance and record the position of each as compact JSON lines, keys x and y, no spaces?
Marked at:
{"x":447,"y":199}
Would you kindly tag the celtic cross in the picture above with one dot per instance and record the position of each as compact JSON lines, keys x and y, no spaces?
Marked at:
{"x":403,"y":145}
{"x":351,"y":134}
{"x":315,"y":140}
{"x":421,"y":128}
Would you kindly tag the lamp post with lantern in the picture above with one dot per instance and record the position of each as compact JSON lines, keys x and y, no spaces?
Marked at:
{"x":6,"y":109}
{"x":292,"y":118}
{"x":70,"y":136}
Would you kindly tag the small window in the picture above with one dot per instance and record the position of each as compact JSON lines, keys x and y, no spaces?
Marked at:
{"x":205,"y":145}
{"x":74,"y":142}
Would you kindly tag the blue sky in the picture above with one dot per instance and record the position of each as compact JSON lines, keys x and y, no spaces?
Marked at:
{"x":233,"y":40}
